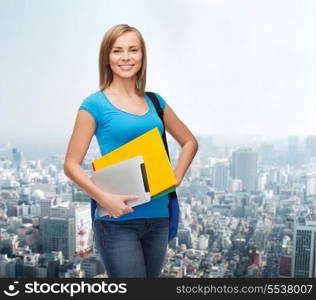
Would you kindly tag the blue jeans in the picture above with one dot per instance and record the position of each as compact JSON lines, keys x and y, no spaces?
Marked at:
{"x":132,"y":248}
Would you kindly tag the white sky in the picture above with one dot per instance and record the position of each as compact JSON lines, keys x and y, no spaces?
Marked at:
{"x":228,"y":67}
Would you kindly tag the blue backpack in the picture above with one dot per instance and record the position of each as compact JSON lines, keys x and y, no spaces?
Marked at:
{"x":173,"y":205}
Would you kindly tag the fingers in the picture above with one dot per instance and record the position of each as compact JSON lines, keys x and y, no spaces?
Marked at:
{"x":129,"y":198}
{"x":126,"y":210}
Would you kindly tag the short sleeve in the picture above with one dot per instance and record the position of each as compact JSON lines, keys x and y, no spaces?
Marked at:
{"x":162,"y":102}
{"x":90,"y":104}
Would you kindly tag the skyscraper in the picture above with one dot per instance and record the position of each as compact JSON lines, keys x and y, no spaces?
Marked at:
{"x":58,"y":235}
{"x":220,"y":176}
{"x":310,"y":147}
{"x":311,"y":184}
{"x":304,"y":254}
{"x":244,"y":167}
{"x":46,"y":204}
{"x":67,"y":228}
{"x":293,"y":150}
{"x":17,"y":158}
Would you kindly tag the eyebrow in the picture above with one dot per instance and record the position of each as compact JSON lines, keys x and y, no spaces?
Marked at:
{"x":134,"y":46}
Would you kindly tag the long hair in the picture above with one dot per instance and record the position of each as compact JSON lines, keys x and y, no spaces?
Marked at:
{"x":105,"y":72}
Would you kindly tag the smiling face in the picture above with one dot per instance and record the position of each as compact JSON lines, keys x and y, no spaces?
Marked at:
{"x":125,"y":57}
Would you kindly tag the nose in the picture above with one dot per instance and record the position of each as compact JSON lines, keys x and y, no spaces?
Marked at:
{"x":125,"y":55}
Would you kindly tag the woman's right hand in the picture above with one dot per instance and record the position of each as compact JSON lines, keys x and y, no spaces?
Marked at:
{"x":116,"y":205}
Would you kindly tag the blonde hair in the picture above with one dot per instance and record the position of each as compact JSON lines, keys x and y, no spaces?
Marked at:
{"x":105,"y":72}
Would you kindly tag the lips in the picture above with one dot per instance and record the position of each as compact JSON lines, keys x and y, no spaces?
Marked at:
{"x":126,"y":67}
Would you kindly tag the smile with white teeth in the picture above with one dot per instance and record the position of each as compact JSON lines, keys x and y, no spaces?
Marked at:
{"x":126,"y":67}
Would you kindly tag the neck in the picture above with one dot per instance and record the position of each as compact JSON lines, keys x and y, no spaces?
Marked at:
{"x":123,"y":86}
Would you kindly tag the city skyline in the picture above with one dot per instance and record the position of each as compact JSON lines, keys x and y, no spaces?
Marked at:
{"x":41,"y":149}
{"x":239,"y":213}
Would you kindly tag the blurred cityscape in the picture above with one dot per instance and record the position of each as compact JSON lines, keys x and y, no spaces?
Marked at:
{"x":248,"y":209}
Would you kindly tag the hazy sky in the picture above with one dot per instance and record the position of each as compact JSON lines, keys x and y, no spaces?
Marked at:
{"x":225,"y":66}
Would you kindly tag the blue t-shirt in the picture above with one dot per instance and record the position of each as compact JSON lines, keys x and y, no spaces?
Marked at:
{"x":114,"y":128}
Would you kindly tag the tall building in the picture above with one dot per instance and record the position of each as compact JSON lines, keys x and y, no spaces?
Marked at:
{"x":45,"y":206}
{"x":304,"y":254}
{"x":195,"y":168}
{"x":310,"y":147}
{"x":311,"y":184}
{"x":68,"y":229}
{"x":5,"y":151}
{"x":17,"y":159}
{"x":293,"y":150}
{"x":262,"y":181}
{"x":244,"y":167}
{"x":220,"y":176}
{"x":59,"y":235}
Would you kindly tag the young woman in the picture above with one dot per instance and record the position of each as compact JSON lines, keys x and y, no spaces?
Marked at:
{"x":133,"y":241}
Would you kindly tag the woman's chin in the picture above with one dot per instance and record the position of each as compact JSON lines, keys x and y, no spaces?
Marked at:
{"x":126,"y":75}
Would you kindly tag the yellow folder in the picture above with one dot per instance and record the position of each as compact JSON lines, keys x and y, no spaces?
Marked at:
{"x":158,"y":168}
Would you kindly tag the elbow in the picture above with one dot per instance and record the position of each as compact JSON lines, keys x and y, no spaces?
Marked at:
{"x":196,"y":145}
{"x":70,"y":168}
{"x":67,"y":168}
{"x":192,"y":143}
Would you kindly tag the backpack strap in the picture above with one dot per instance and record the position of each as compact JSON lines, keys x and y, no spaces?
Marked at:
{"x":159,"y":110}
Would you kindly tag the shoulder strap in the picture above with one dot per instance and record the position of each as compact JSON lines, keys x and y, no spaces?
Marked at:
{"x":159,"y":110}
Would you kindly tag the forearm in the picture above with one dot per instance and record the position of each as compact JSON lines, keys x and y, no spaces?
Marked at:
{"x":75,"y":173}
{"x":186,"y":156}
